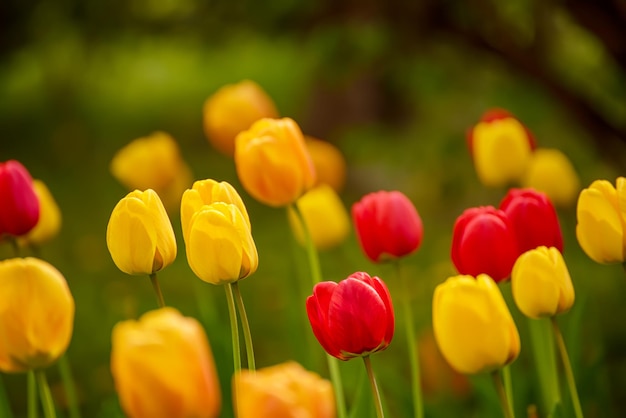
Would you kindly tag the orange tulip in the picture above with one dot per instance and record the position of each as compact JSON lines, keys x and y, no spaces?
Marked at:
{"x":329,"y":162}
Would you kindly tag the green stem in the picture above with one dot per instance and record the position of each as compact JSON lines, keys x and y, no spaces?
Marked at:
{"x":31,"y":395}
{"x":409,"y":328}
{"x":234,"y":329}
{"x":14,"y":245}
{"x":567,"y":366}
{"x":316,"y":276}
{"x":44,"y":393}
{"x":508,"y":385}
{"x":507,"y":408}
{"x":375,"y":393}
{"x":69,"y":385}
{"x":544,"y":356}
{"x":5,"y":406}
{"x":157,"y":290}
{"x":247,"y":335}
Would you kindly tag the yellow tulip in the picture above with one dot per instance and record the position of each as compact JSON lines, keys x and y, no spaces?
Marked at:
{"x":286,"y":390}
{"x":473,"y":326}
{"x":205,"y":192}
{"x":232,"y":109}
{"x":36,"y":314}
{"x":329,"y":162}
{"x":219,"y":244}
{"x":501,"y":150}
{"x":273,"y":163}
{"x":601,"y":215}
{"x":49,"y":222}
{"x":163,"y":367}
{"x":325,"y":215}
{"x":551,"y":172}
{"x":140,"y":236}
{"x":542,"y":286}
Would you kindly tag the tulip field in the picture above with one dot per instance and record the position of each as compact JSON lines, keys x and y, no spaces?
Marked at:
{"x":260,"y":224}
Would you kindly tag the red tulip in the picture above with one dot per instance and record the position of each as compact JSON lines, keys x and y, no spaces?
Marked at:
{"x":19,"y":211}
{"x":534,"y":219}
{"x":388,"y":225}
{"x":483,"y":241}
{"x":352,"y":318}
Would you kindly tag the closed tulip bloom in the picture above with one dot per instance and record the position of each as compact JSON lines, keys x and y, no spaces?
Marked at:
{"x":285,"y":390}
{"x":541,"y":283}
{"x":49,"y":222}
{"x":534,"y":219}
{"x":163,"y":367}
{"x":387,"y":224}
{"x":220,"y":248}
{"x":551,"y":172}
{"x":140,"y":236}
{"x":325,"y":215}
{"x":484,"y":241}
{"x":501,"y":147}
{"x":329,"y":162}
{"x":232,"y":109}
{"x":19,"y":211}
{"x":36,"y":314}
{"x":601,"y":221}
{"x":473,"y":326}
{"x":352,"y":318}
{"x":273,"y":163}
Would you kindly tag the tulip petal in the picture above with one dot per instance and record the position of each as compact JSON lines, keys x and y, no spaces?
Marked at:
{"x":317,"y":307}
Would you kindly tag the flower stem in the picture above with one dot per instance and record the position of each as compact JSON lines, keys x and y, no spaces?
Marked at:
{"x":157,"y":290}
{"x":508,"y":386}
{"x":316,"y":276}
{"x":245,"y":325}
{"x":567,"y":366}
{"x":46,"y":396}
{"x":375,"y":392}
{"x":32,"y":406}
{"x":409,"y":328}
{"x":69,"y":385}
{"x":504,"y":400}
{"x":544,"y":357}
{"x":234,"y":329}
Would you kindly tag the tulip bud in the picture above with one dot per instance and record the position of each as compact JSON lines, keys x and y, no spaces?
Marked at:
{"x":19,"y":211}
{"x":140,"y":236}
{"x":220,"y":248}
{"x":49,"y":222}
{"x":541,"y":283}
{"x":163,"y":367}
{"x":329,"y":162}
{"x":325,"y":216}
{"x":601,"y":216}
{"x":473,"y":326}
{"x":551,"y":172}
{"x":484,"y":241}
{"x":232,"y":109}
{"x":501,"y":148}
{"x":273,"y":163}
{"x":533,"y":218}
{"x":352,"y":318}
{"x":286,"y":390}
{"x":36,"y":314}
{"x":388,"y":225}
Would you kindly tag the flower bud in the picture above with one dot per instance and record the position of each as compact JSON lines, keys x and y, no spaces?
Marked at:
{"x":49,"y":222}
{"x":551,"y":172}
{"x":19,"y":211}
{"x":329,"y":162}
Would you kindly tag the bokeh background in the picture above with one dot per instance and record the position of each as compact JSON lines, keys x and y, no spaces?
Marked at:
{"x":394,"y":85}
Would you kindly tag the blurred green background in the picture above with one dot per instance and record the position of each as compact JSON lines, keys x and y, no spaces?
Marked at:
{"x":393,"y":84}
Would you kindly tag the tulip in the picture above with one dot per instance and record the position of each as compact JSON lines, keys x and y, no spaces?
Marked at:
{"x":541,"y":283}
{"x":19,"y":211}
{"x":232,"y":109}
{"x":551,"y":172}
{"x":533,"y":218}
{"x":153,"y":162}
{"x":285,"y":390}
{"x":325,"y":216}
{"x":484,"y":241}
{"x":140,"y":236}
{"x":49,"y":222}
{"x":388,"y":225}
{"x":601,"y":221}
{"x":220,"y":248}
{"x":329,"y":162}
{"x":473,"y":326}
{"x":352,"y":318}
{"x":273,"y":163}
{"x":36,"y":314}
{"x":501,"y":147}
{"x":163,"y":367}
